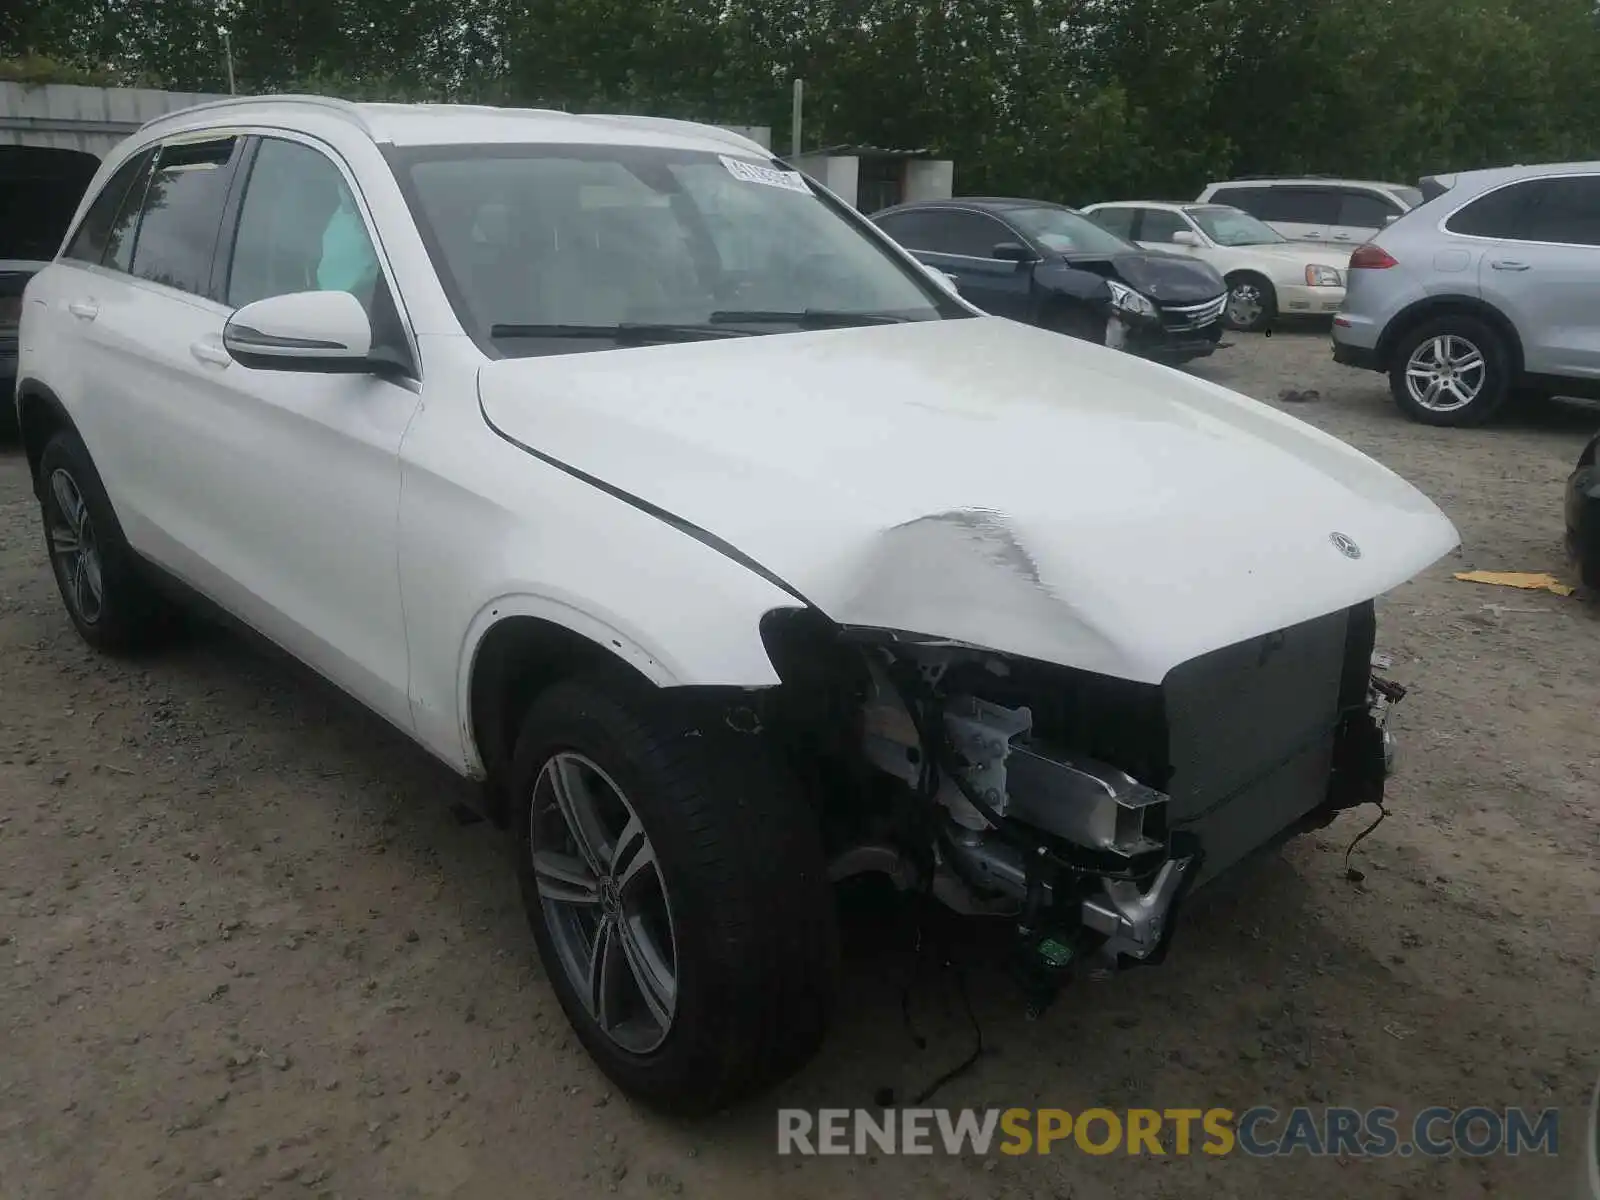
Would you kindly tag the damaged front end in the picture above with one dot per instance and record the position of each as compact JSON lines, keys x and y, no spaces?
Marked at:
{"x":1081,"y":807}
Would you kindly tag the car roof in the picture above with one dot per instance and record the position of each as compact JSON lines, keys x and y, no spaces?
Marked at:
{"x":451,"y":124}
{"x":983,"y":203}
{"x":1305,"y":181}
{"x":1169,"y":205}
{"x":1488,"y":176}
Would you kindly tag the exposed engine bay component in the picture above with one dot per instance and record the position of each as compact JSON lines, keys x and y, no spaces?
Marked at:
{"x":1131,"y":919}
{"x":1086,"y":802}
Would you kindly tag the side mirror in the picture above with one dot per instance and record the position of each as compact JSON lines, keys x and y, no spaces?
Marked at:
{"x":944,"y":280}
{"x":1013,"y":252}
{"x":302,"y":331}
{"x":1185,"y":237}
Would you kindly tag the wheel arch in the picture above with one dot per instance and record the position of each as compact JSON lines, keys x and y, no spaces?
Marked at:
{"x":1439,"y":306}
{"x":40,"y":414}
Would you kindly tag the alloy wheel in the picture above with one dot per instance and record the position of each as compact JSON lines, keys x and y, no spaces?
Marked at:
{"x":1445,"y":373}
{"x":604,"y":901}
{"x":1245,"y":305}
{"x":74,"y":549}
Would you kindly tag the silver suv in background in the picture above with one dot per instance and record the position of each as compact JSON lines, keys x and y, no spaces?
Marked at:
{"x":1489,"y":290}
{"x":1311,"y":208}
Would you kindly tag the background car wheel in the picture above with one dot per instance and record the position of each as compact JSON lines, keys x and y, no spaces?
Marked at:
{"x":1252,"y":302}
{"x":1452,"y":370}
{"x":103,"y":587}
{"x":675,"y":881}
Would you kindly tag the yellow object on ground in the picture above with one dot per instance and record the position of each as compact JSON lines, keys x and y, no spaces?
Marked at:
{"x":1530,"y":581}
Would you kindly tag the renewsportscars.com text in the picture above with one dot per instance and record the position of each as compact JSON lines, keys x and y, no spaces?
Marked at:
{"x":1261,"y":1132}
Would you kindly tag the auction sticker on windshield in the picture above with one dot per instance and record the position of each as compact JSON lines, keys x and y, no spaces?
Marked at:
{"x":755,"y":173}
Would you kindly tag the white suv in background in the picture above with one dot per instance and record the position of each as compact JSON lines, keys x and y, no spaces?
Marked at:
{"x":622,"y":467}
{"x":1332,"y":212}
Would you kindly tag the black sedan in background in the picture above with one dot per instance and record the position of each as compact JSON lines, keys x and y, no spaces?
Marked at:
{"x":1049,"y":265}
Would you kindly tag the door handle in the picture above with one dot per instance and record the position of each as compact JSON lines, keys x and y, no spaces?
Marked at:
{"x":211,"y":353}
{"x":1341,"y":237}
{"x":1508,"y":264}
{"x":88,"y":310}
{"x":1312,"y":233}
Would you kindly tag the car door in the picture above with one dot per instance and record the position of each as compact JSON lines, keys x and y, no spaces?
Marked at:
{"x":961,"y":243}
{"x":1155,"y":228}
{"x":291,"y":479}
{"x":139,"y":310}
{"x":1363,"y":212}
{"x":1541,"y":267}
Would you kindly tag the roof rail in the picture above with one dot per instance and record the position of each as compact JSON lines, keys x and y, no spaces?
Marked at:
{"x":671,"y":124}
{"x":343,"y":108}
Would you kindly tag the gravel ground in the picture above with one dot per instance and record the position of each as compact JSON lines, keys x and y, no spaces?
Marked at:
{"x":248,"y":948}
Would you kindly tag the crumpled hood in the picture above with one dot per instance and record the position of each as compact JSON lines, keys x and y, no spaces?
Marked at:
{"x":1166,"y":278}
{"x":987,"y":482}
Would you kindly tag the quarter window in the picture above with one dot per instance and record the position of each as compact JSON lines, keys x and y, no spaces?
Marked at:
{"x":95,"y":231}
{"x":182,"y":212}
{"x":1564,"y":209}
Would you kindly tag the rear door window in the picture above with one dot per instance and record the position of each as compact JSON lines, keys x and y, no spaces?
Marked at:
{"x":1299,"y":206}
{"x":1118,"y":220}
{"x":1247,"y":198}
{"x":1366,"y":210}
{"x":123,"y":192}
{"x":182,"y":214}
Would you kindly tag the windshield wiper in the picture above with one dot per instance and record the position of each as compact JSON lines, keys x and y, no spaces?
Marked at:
{"x":627,"y":333}
{"x":810,"y":318}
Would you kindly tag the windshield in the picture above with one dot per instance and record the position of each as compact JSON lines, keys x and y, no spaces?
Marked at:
{"x":1065,"y":231}
{"x":1233,"y":227}
{"x":551,"y":249}
{"x":1409,"y":196}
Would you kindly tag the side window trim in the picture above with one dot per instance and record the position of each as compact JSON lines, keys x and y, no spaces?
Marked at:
{"x":228,"y":227}
{"x":257,"y":137}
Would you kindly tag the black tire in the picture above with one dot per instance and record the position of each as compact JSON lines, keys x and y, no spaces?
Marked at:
{"x":1493,"y":384}
{"x":1075,"y":321}
{"x":1260,"y":313}
{"x":9,"y":432}
{"x":753,"y":928}
{"x":127,"y":615}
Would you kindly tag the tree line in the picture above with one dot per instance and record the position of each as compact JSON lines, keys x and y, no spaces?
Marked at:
{"x":1071,"y":100}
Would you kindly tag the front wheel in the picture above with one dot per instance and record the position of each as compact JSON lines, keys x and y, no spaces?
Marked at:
{"x":1452,"y":370}
{"x":1252,"y":303}
{"x":675,"y":882}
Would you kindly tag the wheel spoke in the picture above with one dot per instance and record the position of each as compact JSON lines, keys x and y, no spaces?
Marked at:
{"x":1457,"y":390}
{"x":633,"y":854}
{"x":651,"y":975}
{"x":602,"y":972}
{"x":1469,"y":361}
{"x":67,"y":500}
{"x":565,"y":879}
{"x":576,"y":803}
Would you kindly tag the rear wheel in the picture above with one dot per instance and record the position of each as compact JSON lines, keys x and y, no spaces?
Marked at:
{"x":675,"y":882}
{"x":1453,"y":370}
{"x":103,"y":587}
{"x":1252,"y":302}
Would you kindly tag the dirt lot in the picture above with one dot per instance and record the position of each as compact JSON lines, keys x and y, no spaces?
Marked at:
{"x":247,"y":948}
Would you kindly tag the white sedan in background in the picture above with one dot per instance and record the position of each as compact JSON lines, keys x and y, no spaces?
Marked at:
{"x":1267,"y":274}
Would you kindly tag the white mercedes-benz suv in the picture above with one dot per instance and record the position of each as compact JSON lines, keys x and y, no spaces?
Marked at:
{"x":633,"y":473}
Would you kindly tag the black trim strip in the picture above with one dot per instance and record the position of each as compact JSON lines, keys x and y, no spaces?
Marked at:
{"x":704,"y":536}
{"x":247,"y":336}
